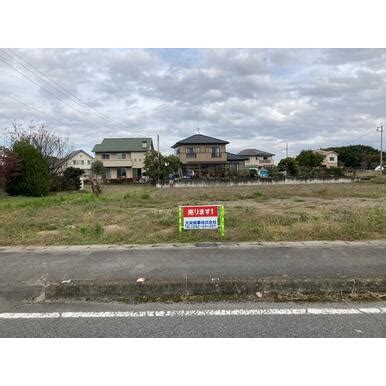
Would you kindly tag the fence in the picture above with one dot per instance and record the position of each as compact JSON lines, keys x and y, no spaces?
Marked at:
{"x":252,"y":182}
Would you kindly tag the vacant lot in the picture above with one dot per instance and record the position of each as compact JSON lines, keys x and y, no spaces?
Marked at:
{"x":141,"y":214}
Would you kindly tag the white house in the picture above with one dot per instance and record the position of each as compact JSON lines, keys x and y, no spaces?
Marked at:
{"x":78,"y":159}
{"x":330,"y":158}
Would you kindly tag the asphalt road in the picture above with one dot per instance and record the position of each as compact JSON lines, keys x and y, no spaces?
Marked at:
{"x":24,"y":271}
{"x":252,"y":320}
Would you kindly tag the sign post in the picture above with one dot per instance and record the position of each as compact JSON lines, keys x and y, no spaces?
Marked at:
{"x":201,"y":217}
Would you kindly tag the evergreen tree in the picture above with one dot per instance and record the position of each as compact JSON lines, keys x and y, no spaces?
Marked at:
{"x":34,"y":178}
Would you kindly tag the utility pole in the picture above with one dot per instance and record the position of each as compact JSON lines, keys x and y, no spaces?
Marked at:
{"x":159,"y":159}
{"x":286,"y":149}
{"x":380,"y":129}
{"x":198,"y":122}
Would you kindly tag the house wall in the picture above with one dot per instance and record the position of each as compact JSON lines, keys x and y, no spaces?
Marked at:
{"x":133,"y":159}
{"x":81,"y":161}
{"x":260,"y":162}
{"x":111,"y":173}
{"x":329,"y":163}
{"x":203,"y":154}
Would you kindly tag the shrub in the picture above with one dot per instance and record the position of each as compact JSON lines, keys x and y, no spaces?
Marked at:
{"x":97,"y":168}
{"x":289,"y":165}
{"x":71,"y":178}
{"x":34,"y":178}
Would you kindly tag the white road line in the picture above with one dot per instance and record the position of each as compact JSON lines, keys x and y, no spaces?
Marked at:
{"x":187,"y":313}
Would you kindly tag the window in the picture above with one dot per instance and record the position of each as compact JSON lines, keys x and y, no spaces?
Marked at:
{"x":121,"y":155}
{"x":332,"y":159}
{"x":265,"y":158}
{"x":105,"y":156}
{"x":216,"y":152}
{"x":82,"y":162}
{"x":74,"y":162}
{"x":89,"y":162}
{"x":144,"y":144}
{"x":191,"y":152}
{"x":121,"y":173}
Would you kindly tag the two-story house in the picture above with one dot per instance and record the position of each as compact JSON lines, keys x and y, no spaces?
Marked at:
{"x":257,"y":158}
{"x":78,"y":159}
{"x":205,"y":156}
{"x":330,"y":158}
{"x":123,"y":158}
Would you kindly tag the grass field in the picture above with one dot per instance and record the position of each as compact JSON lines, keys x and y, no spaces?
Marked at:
{"x":141,"y":214}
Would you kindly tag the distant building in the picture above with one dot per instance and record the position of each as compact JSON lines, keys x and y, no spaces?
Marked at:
{"x":257,"y":158}
{"x":123,"y":158}
{"x":78,"y":159}
{"x":330,"y":158}
{"x":204,"y":156}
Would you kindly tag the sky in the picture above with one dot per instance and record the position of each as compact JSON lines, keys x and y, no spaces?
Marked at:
{"x":253,"y":98}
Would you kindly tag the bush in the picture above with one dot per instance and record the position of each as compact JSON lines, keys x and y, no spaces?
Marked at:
{"x":289,"y":165}
{"x":336,"y":172}
{"x":34,"y":178}
{"x":97,"y":168}
{"x":70,"y":180}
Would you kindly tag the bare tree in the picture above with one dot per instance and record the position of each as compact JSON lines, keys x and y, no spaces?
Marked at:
{"x":53,"y":147}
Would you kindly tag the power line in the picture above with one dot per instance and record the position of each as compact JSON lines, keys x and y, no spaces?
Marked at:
{"x":36,"y":83}
{"x":50,"y":82}
{"x":43,"y":88}
{"x":30,"y":107}
{"x":57,"y":87}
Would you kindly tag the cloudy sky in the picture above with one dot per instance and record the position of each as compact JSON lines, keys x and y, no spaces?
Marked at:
{"x":254,"y":98}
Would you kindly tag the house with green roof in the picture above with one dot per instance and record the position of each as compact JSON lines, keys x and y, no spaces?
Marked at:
{"x":123,"y":158}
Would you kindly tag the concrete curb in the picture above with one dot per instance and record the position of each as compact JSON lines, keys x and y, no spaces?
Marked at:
{"x":269,"y":288}
{"x":262,"y":244}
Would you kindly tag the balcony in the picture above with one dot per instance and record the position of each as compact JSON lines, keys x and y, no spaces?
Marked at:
{"x":191,"y":155}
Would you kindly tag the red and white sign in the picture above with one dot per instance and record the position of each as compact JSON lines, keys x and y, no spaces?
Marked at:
{"x":200,"y":217}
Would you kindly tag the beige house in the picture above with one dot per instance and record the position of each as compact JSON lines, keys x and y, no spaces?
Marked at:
{"x":123,"y":158}
{"x":330,"y":158}
{"x":257,"y":158}
{"x":203,"y":156}
{"x":78,"y":159}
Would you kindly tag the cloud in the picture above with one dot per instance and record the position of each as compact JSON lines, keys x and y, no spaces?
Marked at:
{"x":259,"y":98}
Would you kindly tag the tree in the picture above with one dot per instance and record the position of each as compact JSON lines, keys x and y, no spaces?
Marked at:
{"x":97,"y":170}
{"x":309,"y":159}
{"x":172,"y":163}
{"x":52,"y":147}
{"x":355,"y":156}
{"x":289,"y":165}
{"x":10,"y":167}
{"x":34,"y":178}
{"x":71,"y":178}
{"x":159,"y":167}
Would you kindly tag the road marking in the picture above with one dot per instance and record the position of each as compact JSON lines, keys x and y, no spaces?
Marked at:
{"x":189,"y":313}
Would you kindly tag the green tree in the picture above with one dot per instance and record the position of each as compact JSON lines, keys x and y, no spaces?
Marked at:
{"x":158,"y":166}
{"x":71,"y":178}
{"x":309,"y":159}
{"x":97,"y":168}
{"x":355,"y":156}
{"x":290,"y":165}
{"x":34,"y":178}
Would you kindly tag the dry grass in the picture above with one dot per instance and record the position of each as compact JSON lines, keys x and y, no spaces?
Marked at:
{"x":136,"y":214}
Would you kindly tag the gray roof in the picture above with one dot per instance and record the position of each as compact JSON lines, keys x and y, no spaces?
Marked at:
{"x":200,"y":139}
{"x":236,"y":157}
{"x":122,"y":145}
{"x":252,"y":152}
